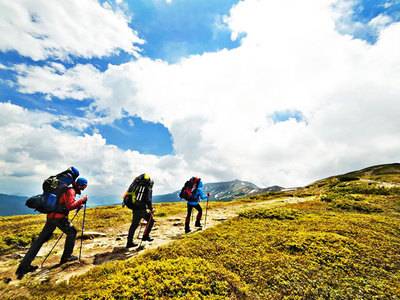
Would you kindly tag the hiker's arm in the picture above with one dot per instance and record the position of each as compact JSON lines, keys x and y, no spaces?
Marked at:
{"x":149,"y":199}
{"x":70,"y":202}
{"x":202,"y":195}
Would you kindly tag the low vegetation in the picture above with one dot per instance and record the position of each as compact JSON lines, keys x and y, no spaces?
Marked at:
{"x":18,"y":231}
{"x":343,"y":245}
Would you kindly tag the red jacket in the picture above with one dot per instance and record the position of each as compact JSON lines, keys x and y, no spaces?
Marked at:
{"x":68,"y":199}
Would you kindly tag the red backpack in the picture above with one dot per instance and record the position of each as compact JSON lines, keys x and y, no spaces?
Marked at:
{"x":188,"y":189}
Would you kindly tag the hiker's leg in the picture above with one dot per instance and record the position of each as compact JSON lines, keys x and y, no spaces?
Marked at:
{"x":136,"y":216}
{"x":150,"y":222}
{"x":199,"y":213}
{"x":187,"y":220}
{"x":65,"y":226}
{"x":44,"y":236}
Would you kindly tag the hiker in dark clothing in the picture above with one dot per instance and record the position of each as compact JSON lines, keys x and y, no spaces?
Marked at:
{"x":139,"y":199}
{"x":198,"y":194}
{"x":54,"y":220}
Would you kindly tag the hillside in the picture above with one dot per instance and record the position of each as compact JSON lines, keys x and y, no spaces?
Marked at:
{"x":13,"y":205}
{"x":338,"y":239}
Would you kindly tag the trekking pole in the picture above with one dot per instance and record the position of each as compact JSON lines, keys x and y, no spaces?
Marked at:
{"x":55,"y":244}
{"x":205,"y":221}
{"x":83,"y":227}
{"x":145,"y":229}
{"x":140,"y":229}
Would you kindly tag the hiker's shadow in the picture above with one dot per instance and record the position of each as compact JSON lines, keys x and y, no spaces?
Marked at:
{"x":117,"y":253}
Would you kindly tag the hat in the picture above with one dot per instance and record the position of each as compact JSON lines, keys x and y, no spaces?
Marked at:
{"x":81,"y":181}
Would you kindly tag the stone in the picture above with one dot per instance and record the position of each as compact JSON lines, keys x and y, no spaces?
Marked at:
{"x":90,"y":235}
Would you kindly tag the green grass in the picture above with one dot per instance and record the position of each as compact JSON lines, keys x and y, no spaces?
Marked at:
{"x":308,"y":250}
{"x":18,"y":231}
{"x":343,"y":245}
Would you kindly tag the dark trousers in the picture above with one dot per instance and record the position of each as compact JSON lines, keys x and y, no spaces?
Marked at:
{"x":137,"y":215}
{"x":51,"y":224}
{"x":189,"y":213}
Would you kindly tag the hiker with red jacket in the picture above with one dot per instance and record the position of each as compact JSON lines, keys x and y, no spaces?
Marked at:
{"x":60,"y":220}
{"x":197,"y":195}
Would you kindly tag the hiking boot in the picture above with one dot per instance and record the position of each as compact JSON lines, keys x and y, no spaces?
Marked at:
{"x":130,"y":245}
{"x":147,"y":239}
{"x":197,"y":224}
{"x":187,"y":229}
{"x":68,"y":259}
{"x":22,"y":271}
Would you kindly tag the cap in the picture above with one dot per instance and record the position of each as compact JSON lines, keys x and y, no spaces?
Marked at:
{"x":81,"y":181}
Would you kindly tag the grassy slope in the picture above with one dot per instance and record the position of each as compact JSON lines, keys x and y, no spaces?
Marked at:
{"x":343,"y":246}
{"x":18,"y":231}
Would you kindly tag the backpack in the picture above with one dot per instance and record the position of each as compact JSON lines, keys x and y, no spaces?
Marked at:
{"x":136,"y":191}
{"x":58,"y":183}
{"x":188,"y":189}
{"x":45,"y":203}
{"x":53,"y":187}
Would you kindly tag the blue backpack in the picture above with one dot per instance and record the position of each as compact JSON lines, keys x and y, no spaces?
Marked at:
{"x":53,"y":188}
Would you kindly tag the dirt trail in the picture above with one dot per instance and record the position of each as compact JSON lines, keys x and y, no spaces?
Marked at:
{"x":111,"y":246}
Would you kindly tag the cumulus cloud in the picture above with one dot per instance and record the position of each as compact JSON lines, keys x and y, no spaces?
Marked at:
{"x":218,"y":106}
{"x":58,"y":29}
{"x":32,"y":149}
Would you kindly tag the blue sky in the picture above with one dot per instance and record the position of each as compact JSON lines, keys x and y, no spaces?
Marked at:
{"x":164,"y":79}
{"x":366,"y":10}
{"x":171,"y":31}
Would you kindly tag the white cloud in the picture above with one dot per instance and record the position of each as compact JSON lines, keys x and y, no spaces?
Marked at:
{"x":216,"y":105}
{"x":80,"y":82}
{"x":32,"y":149}
{"x":41,"y":29}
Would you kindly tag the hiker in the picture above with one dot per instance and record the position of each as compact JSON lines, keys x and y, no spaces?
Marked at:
{"x":138,"y":198}
{"x":196,"y":196}
{"x":60,"y":220}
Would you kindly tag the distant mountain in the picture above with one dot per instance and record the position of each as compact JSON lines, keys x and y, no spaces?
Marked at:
{"x":230,"y":189}
{"x":223,"y":191}
{"x":103,"y":200}
{"x":13,"y":205}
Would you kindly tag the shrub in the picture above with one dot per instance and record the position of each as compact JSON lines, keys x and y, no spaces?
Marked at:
{"x":356,"y":206}
{"x":347,"y":177}
{"x":180,"y":278}
{"x":275,"y":213}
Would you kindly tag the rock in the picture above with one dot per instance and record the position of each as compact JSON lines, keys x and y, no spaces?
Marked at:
{"x":178,"y":224}
{"x":44,"y":279}
{"x":7,"y":280}
{"x":90,"y":235}
{"x":118,"y":239}
{"x":220,"y":219}
{"x":15,"y":256}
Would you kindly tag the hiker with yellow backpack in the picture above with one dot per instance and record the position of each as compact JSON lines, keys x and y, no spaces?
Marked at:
{"x":138,"y":198}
